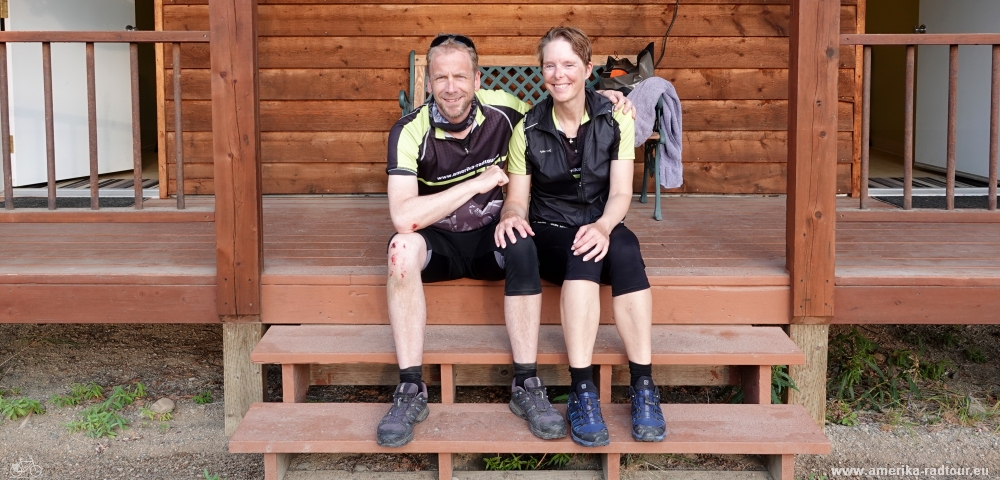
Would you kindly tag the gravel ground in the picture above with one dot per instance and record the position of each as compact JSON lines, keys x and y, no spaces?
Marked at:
{"x":181,"y":361}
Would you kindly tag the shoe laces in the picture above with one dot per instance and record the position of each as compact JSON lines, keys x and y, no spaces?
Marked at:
{"x":590,"y":410}
{"x":400,"y":405}
{"x":645,"y":405}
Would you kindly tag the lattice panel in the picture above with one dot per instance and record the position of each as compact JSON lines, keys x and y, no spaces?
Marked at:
{"x":524,"y":82}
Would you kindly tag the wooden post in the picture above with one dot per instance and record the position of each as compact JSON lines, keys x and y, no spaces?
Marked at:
{"x":814,"y":52}
{"x":236,"y":141}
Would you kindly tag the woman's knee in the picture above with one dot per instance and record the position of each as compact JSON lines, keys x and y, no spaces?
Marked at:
{"x":623,"y":246}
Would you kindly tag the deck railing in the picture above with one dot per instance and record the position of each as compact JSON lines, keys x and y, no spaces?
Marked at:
{"x":911,"y":41}
{"x":133,"y":38}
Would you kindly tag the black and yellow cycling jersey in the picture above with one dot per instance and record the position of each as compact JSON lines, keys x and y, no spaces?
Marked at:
{"x":441,"y":161}
{"x":570,"y":182}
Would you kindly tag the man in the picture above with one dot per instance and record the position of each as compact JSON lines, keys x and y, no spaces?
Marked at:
{"x":445,"y":165}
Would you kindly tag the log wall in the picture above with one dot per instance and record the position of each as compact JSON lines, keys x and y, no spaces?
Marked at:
{"x":331,"y":72}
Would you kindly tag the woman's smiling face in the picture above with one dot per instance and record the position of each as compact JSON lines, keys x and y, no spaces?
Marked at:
{"x":564,"y":72}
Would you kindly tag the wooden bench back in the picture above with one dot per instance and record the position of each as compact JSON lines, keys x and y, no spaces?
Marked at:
{"x":519,"y":75}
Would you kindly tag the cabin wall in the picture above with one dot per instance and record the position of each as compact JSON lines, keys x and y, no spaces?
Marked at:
{"x":331,"y":72}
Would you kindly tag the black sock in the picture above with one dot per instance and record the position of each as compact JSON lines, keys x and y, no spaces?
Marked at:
{"x":580,"y":375}
{"x":412,"y":375}
{"x":524,"y":371}
{"x":638,"y":370}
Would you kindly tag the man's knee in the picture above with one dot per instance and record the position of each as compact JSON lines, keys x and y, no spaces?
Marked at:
{"x":520,"y":263}
{"x":406,"y":253}
{"x":522,"y":252}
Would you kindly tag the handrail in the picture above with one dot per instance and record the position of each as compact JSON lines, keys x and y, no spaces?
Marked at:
{"x":910,"y":41}
{"x":133,"y":39}
{"x":920,"y":39}
{"x":136,"y":36}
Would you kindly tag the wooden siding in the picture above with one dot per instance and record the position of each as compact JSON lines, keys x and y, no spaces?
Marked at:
{"x":331,"y":72}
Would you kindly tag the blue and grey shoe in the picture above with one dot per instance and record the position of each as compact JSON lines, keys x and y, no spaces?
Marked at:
{"x":583,"y":413}
{"x":409,"y":406}
{"x":648,"y":424}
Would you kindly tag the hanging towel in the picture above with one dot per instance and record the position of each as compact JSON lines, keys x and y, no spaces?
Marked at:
{"x":644,"y":96}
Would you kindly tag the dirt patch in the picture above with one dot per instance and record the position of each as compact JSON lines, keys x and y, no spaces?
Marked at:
{"x":182,"y":361}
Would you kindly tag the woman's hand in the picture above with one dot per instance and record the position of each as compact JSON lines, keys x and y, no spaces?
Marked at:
{"x":510,"y":222}
{"x":592,"y":238}
{"x":620,"y":101}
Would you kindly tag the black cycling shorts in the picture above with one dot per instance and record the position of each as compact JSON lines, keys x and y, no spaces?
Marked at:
{"x":622,"y":267}
{"x":474,"y":254}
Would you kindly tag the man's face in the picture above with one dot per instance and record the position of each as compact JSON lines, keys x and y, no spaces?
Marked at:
{"x":453,"y":83}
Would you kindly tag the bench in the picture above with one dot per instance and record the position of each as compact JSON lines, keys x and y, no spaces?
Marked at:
{"x":349,"y":428}
{"x":521,"y":76}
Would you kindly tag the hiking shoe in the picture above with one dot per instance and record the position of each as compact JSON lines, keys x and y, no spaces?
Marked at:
{"x":532,"y":404}
{"x":583,"y":412}
{"x":409,"y":406}
{"x":647,"y":417}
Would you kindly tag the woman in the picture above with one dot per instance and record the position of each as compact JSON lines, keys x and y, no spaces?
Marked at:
{"x":574,"y":154}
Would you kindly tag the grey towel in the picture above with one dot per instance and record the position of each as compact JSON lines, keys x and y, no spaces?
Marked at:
{"x":644,"y":96}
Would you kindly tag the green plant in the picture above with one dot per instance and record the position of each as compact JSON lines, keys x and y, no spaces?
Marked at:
{"x":203,"y":398}
{"x":211,"y":476}
{"x":504,"y":463}
{"x":16,"y":408}
{"x":974,"y":354}
{"x":935,"y":370}
{"x":78,"y":393}
{"x":560,"y":398}
{"x":102,"y":419}
{"x":840,"y":413}
{"x":780,"y":383}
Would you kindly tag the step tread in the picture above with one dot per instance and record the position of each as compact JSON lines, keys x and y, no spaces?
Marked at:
{"x":489,"y":345}
{"x":484,"y":427}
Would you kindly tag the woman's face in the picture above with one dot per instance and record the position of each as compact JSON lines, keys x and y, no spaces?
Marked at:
{"x":564,"y":72}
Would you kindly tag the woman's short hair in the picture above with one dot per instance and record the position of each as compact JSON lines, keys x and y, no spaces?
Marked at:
{"x":574,"y":36}
{"x":445,"y":42}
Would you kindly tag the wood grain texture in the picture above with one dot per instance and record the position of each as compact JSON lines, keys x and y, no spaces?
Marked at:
{"x":918,"y":304}
{"x":508,"y":20}
{"x":234,"y":118}
{"x":244,"y":380}
{"x":460,"y":427}
{"x":812,"y":155}
{"x":392,"y":51}
{"x":107,"y":303}
{"x":810,"y":377}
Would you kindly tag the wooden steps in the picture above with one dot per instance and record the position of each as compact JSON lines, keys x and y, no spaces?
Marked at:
{"x":752,"y":349}
{"x":277,"y":430}
{"x":281,"y":428}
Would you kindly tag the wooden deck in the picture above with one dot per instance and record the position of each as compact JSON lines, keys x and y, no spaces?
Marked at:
{"x":712,"y":260}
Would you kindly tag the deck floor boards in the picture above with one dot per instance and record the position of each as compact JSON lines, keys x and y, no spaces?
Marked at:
{"x":703,"y":242}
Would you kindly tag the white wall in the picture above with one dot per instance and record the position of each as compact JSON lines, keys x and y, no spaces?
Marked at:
{"x":955,"y":16}
{"x":69,"y":85}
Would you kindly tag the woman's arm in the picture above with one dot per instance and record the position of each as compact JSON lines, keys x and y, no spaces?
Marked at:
{"x":592,"y":239}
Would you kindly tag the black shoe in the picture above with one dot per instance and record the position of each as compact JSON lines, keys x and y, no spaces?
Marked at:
{"x":648,"y":424}
{"x":409,"y":406}
{"x":532,"y":404}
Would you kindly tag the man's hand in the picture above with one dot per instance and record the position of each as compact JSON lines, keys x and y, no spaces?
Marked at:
{"x":490,"y":179}
{"x":620,"y":100}
{"x":591,"y":238}
{"x":508,"y":223}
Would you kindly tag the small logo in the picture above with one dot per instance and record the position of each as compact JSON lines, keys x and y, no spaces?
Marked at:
{"x":25,"y":468}
{"x":545,"y":151}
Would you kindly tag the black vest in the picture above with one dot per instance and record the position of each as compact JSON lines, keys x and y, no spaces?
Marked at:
{"x":556,"y":196}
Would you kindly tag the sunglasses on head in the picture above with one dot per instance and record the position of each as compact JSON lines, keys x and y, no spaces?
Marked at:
{"x":438,"y":40}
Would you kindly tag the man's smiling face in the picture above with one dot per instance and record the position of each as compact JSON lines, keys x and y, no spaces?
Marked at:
{"x":453,"y":83}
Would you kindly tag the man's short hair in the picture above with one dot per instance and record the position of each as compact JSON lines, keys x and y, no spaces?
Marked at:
{"x":576,"y":38}
{"x":451,"y":42}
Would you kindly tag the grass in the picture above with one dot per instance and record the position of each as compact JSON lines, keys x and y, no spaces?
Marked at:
{"x":104,"y":419}
{"x":211,"y":476}
{"x":510,"y":462}
{"x":203,"y":398}
{"x":78,"y":394}
{"x":903,"y":387}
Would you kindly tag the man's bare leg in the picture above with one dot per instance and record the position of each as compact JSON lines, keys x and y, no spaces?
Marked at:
{"x":634,"y":319}
{"x":522,"y":314}
{"x":405,"y":293}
